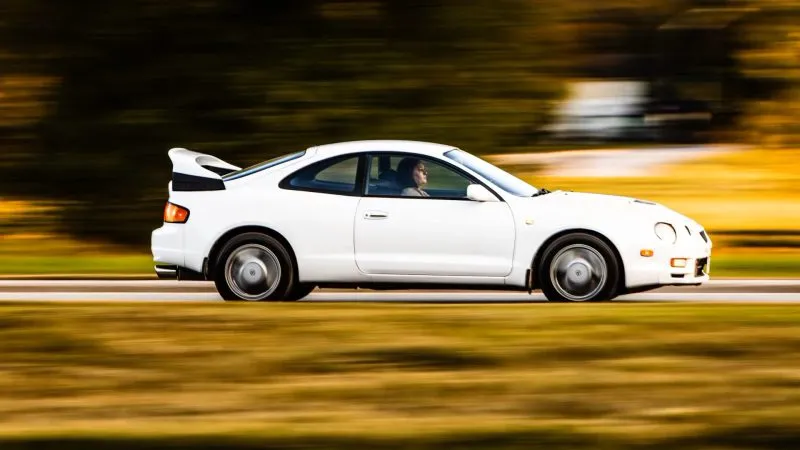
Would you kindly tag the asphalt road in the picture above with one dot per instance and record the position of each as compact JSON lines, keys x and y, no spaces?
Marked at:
{"x":728,"y":290}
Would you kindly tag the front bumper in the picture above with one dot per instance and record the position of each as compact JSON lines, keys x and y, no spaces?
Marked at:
{"x":657,"y":270}
{"x":696,"y":272}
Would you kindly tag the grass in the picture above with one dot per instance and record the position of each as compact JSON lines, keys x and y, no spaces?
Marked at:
{"x":205,"y":376}
{"x":71,"y":265}
{"x":47,"y":254}
{"x":753,"y":264}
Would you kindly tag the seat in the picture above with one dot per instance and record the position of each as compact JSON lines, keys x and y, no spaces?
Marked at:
{"x":386,"y":184}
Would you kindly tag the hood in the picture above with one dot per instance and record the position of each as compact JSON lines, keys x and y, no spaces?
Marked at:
{"x":616,"y":206}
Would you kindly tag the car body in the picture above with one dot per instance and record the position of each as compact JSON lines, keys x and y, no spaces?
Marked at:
{"x":333,"y":215}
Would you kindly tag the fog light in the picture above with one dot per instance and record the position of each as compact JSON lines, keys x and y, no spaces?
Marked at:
{"x":678,"y":262}
{"x":646,"y":252}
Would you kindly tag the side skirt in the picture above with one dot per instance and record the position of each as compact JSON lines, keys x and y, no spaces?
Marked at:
{"x":421,"y":286}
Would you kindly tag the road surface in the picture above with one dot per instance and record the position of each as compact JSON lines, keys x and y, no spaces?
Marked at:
{"x":730,"y":290}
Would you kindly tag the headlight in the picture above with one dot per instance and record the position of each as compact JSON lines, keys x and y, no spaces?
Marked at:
{"x":666,"y":232}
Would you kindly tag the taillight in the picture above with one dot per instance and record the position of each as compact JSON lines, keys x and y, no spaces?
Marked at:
{"x":175,"y":214}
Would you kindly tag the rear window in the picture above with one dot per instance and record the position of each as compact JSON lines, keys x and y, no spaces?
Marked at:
{"x":263,"y":165}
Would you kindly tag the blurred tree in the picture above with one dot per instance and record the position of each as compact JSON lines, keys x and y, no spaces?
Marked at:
{"x":769,"y":59}
{"x":247,"y":79}
{"x":93,"y":93}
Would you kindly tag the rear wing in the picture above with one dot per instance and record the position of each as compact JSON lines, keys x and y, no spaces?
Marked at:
{"x":192,"y":171}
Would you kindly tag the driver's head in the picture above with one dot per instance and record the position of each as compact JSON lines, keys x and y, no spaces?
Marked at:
{"x":412,"y":172}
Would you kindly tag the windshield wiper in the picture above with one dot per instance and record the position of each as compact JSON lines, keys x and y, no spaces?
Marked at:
{"x":541,"y":191}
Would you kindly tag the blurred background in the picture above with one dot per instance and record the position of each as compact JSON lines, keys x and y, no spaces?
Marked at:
{"x":692,"y":103}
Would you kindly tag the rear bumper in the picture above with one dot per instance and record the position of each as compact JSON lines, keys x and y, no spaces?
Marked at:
{"x":169,"y":256}
{"x":170,"y":272}
{"x":166,"y":244}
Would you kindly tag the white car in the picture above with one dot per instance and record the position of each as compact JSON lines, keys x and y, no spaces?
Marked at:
{"x":399,"y":215}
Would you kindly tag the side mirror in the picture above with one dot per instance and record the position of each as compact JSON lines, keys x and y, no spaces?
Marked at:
{"x":479,"y":193}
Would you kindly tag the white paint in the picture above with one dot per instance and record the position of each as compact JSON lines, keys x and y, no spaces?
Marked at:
{"x":191,"y":163}
{"x":423,"y":236}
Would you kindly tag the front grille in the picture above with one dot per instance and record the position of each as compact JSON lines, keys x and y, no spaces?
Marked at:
{"x":703,"y":235}
{"x":701,"y":267}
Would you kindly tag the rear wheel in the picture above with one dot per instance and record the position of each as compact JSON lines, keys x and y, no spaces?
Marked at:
{"x":254,"y":267}
{"x":578,"y":267}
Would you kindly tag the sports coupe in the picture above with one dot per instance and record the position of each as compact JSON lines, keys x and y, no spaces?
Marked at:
{"x":401,"y":215}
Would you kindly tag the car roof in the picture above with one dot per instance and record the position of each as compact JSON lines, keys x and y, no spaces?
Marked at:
{"x":425,"y":148}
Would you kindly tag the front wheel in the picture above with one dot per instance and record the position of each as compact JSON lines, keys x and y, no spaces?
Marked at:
{"x":254,"y":267}
{"x":578,"y":267}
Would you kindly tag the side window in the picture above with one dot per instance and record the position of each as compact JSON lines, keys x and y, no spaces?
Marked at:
{"x":413,"y":176}
{"x":334,"y":176}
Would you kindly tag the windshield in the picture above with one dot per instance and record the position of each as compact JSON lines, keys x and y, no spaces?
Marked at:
{"x":262,"y":165}
{"x":497,"y":176}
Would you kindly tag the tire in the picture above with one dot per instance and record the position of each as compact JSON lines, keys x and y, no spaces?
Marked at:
{"x":579,"y":267}
{"x":265,"y":271}
{"x":300,"y":291}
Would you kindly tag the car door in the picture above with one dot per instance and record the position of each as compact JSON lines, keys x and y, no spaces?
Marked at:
{"x":441,"y":234}
{"x":320,"y":202}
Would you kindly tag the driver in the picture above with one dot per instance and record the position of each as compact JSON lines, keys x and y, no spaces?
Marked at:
{"x":412,"y":176}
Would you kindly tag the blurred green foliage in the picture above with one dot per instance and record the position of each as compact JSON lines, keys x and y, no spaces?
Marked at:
{"x":93,"y":93}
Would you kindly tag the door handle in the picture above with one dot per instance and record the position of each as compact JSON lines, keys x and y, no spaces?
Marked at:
{"x":375,"y":215}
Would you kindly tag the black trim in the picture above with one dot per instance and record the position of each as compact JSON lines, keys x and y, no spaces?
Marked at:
{"x":322,"y":165}
{"x":219,"y":170}
{"x":236,"y":174}
{"x":173,"y":272}
{"x":529,"y":280}
{"x":409,"y":197}
{"x":362,"y":174}
{"x":441,"y":162}
{"x":193,"y":183}
{"x":166,"y":272}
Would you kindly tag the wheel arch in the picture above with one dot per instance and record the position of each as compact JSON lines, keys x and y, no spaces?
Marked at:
{"x":213,"y":254}
{"x":537,"y":258}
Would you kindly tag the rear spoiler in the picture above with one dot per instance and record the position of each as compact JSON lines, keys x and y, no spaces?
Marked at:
{"x":192,"y":171}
